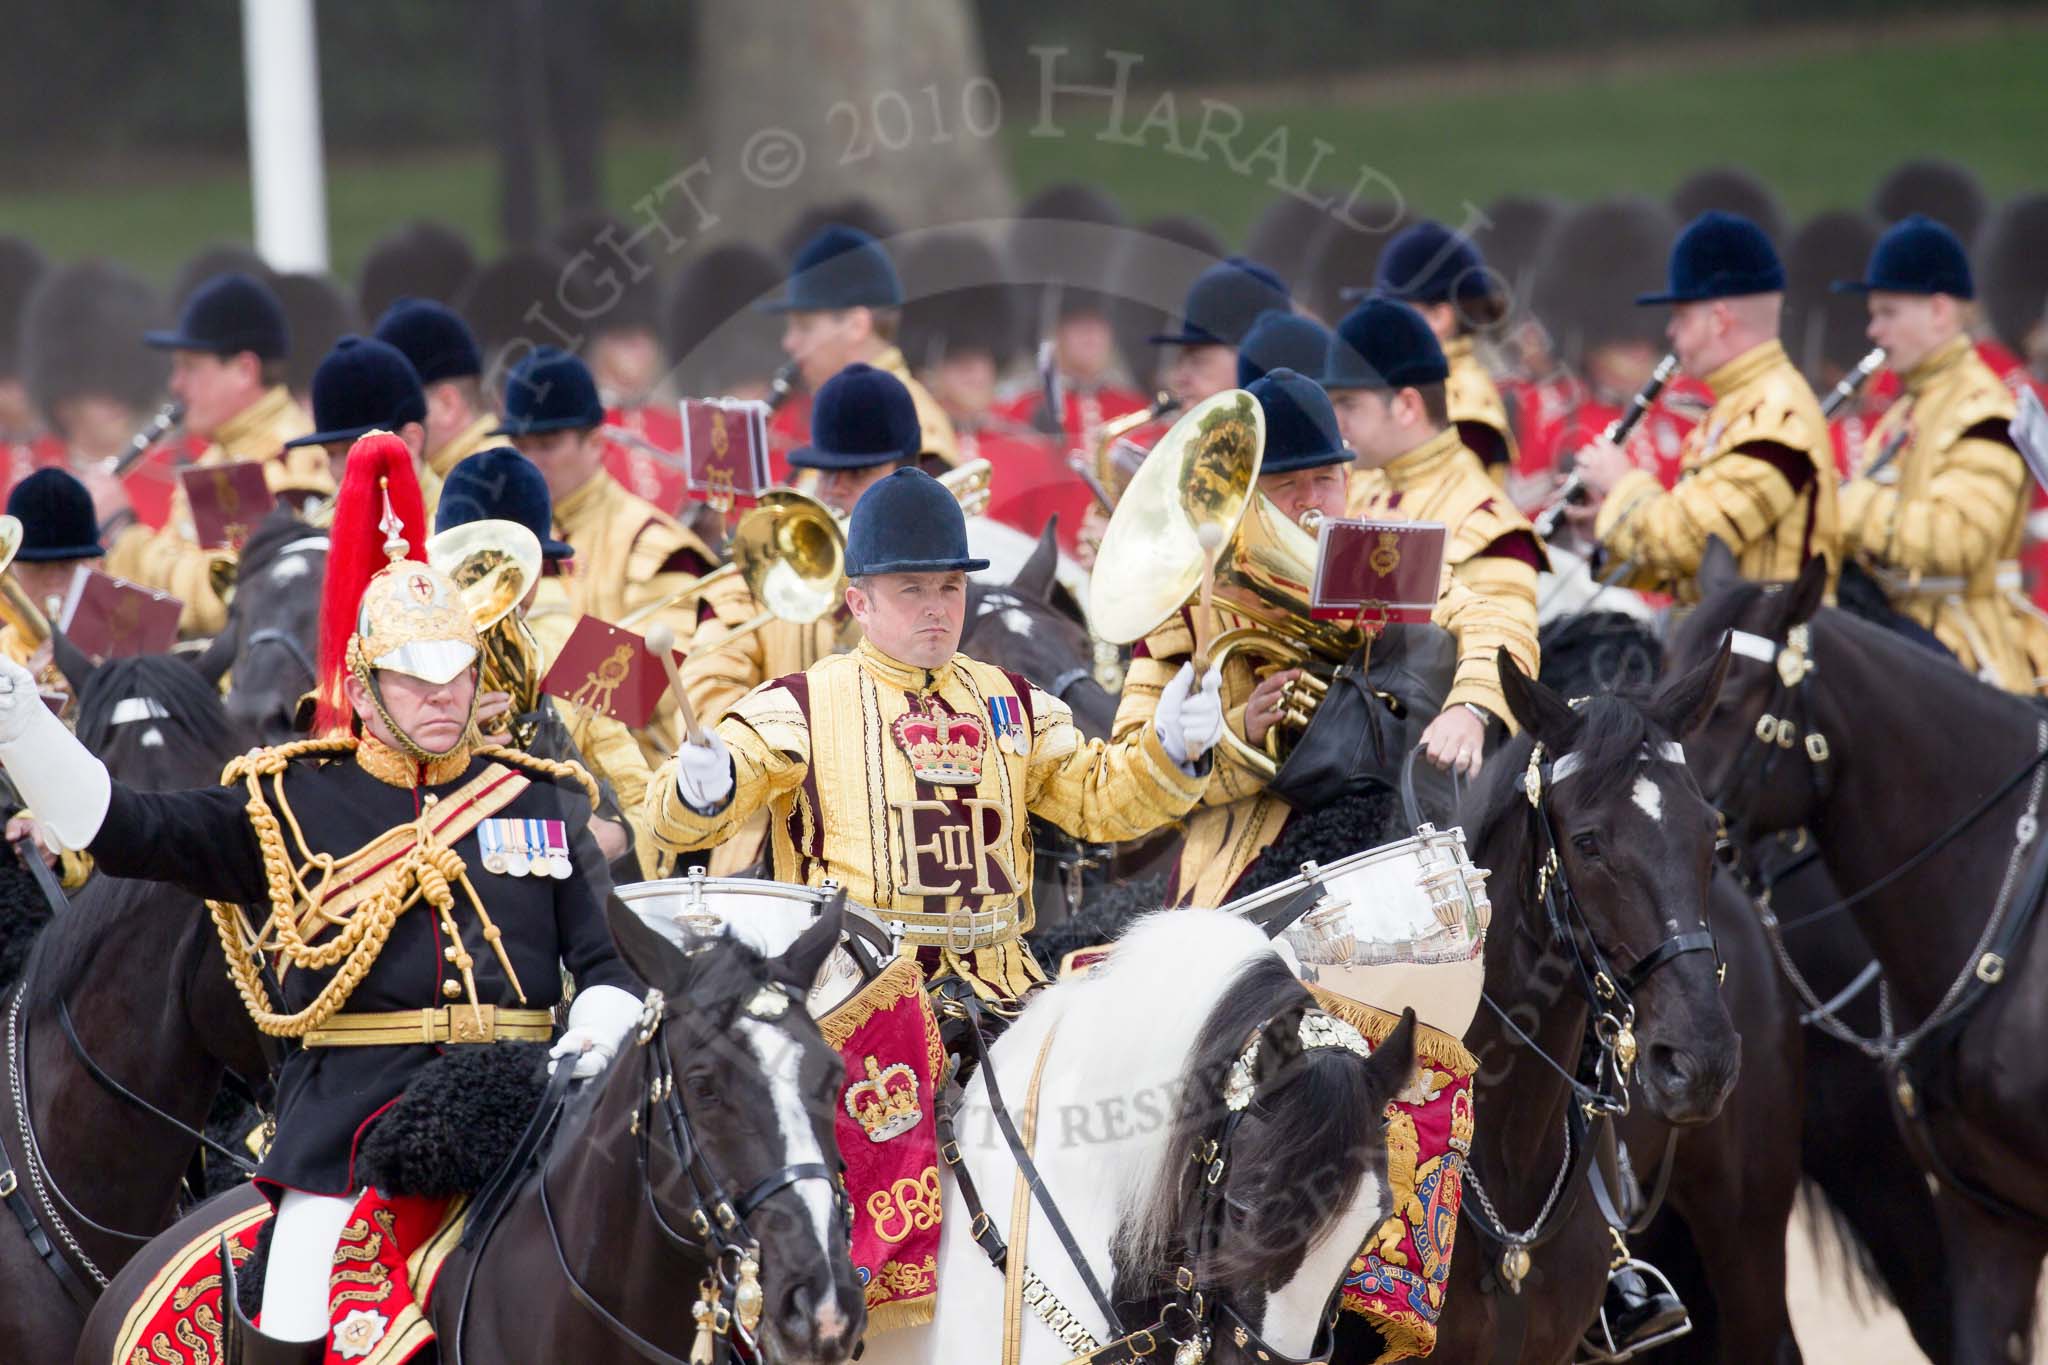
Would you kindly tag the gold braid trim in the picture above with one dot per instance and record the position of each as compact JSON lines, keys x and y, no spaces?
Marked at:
{"x":1432,"y":1045}
{"x":427,"y":871}
{"x":565,"y":769}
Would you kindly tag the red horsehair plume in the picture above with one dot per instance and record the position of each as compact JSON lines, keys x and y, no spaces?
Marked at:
{"x":379,"y":468}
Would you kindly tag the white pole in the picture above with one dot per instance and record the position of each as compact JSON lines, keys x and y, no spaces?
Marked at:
{"x":287,"y":175}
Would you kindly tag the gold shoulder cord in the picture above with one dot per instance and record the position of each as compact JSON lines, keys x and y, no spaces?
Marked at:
{"x":427,"y":870}
{"x":558,"y":768}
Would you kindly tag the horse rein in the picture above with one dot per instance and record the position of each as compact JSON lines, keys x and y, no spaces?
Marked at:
{"x":1189,"y":1318}
{"x":718,"y":1230}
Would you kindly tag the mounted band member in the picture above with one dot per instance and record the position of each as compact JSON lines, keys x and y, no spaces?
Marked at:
{"x":228,"y":353}
{"x":905,"y":771}
{"x":1938,"y":503}
{"x":363,"y":385}
{"x":379,"y":890}
{"x":450,"y":365}
{"x":1759,"y":470}
{"x":1386,"y":375}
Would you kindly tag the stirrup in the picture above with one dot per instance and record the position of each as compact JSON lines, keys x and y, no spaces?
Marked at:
{"x":1598,"y":1347}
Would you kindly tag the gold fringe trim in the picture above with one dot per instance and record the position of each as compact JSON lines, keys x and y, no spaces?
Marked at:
{"x":888,"y":1317}
{"x":900,"y":979}
{"x":1432,"y":1045}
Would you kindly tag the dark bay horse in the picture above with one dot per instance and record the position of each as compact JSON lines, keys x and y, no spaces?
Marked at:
{"x":1923,"y":789}
{"x":273,"y":627}
{"x":1633,"y":840}
{"x":726,"y":1094}
{"x":119,"y":1032}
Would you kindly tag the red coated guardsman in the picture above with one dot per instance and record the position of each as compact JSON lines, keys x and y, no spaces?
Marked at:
{"x":385,"y":890}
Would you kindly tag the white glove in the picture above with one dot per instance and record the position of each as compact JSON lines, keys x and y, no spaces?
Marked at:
{"x":599,"y":1019}
{"x":57,"y":777}
{"x":704,"y":772}
{"x":1189,"y":725}
{"x":19,"y":700}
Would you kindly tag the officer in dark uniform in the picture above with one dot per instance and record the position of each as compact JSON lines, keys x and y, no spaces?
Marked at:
{"x":414,"y":890}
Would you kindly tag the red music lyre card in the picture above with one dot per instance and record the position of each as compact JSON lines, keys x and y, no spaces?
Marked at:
{"x":1384,"y":571}
{"x":609,"y":670}
{"x":725,"y":450}
{"x":110,"y":618}
{"x":228,"y":501}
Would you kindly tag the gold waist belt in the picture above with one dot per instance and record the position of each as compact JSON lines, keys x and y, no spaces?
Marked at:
{"x":448,"y":1024}
{"x":961,"y":930}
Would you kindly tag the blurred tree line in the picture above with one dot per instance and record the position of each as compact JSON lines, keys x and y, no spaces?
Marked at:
{"x":90,"y":79}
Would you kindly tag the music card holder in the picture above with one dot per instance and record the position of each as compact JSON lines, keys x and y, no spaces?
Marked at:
{"x":111,"y":618}
{"x":228,"y":502}
{"x":609,"y":670}
{"x":1374,"y":574}
{"x":725,"y":450}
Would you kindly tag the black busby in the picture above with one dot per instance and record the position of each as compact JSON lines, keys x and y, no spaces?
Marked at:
{"x":316,"y":315}
{"x":362,"y":385}
{"x":1279,"y":341}
{"x":550,"y":390}
{"x":957,"y":299}
{"x":1824,"y":329}
{"x":1512,"y":237}
{"x":422,"y":260}
{"x":78,"y":333}
{"x":57,"y":517}
{"x":21,"y":266}
{"x":1719,"y":256}
{"x":1941,"y":189}
{"x":1056,"y":280}
{"x":610,"y":282}
{"x":434,"y":338}
{"x":717,"y":339}
{"x":500,"y":484}
{"x":227,"y":315}
{"x":1301,"y":426}
{"x":907,"y":523}
{"x":1289,"y":228}
{"x":861,"y":417}
{"x":1383,"y":344}
{"x":1348,"y":257}
{"x":2013,"y":265}
{"x":856,"y":211}
{"x":840,"y":267}
{"x":1916,"y":255}
{"x":1148,"y":278}
{"x":1730,"y":189}
{"x":211,"y":262}
{"x":498,"y":298}
{"x":1585,"y":278}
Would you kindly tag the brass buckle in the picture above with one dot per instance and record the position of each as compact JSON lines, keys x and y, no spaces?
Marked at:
{"x":950,"y":1154}
{"x":472,"y":1024}
{"x":8,"y":1183}
{"x":1817,"y":748}
{"x":1991,"y":969}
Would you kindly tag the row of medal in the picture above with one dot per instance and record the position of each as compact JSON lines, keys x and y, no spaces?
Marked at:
{"x":525,"y":848}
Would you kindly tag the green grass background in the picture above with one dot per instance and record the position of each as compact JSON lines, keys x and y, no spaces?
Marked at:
{"x":1820,"y":127}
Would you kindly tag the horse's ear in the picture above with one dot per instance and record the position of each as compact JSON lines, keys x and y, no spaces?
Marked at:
{"x":1034,"y":582}
{"x":1682,"y":704}
{"x":71,"y":662}
{"x":649,"y":956}
{"x":1392,"y":1066}
{"x":219,"y":654}
{"x":800,"y":962}
{"x":1718,"y":569}
{"x":1535,"y":707}
{"x":1807,"y":592}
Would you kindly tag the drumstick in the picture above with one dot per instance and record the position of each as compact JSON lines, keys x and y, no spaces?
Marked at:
{"x":1211,"y":537}
{"x":662,"y":640}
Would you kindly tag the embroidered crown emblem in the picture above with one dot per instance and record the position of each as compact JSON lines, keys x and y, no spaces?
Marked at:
{"x":943,"y":748}
{"x":885,"y":1104}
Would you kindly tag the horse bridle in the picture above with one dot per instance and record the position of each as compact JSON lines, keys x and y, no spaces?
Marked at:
{"x":1190,"y":1318}
{"x":292,"y":645}
{"x":1784,"y":724}
{"x":729,"y":1302}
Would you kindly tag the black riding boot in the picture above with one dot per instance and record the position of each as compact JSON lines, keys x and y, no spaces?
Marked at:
{"x":243,"y":1343}
{"x":1638,"y":1310}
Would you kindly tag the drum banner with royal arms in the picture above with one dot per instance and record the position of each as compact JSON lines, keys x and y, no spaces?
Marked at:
{"x":888,"y":1037}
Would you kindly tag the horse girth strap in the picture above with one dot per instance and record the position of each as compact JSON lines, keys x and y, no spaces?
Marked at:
{"x":1055,"y":1315}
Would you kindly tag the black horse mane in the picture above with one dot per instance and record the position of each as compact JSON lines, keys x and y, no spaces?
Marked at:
{"x":188,"y":700}
{"x":1338,"y":1112}
{"x":1599,"y":651}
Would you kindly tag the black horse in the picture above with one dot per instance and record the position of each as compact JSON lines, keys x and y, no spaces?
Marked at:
{"x":724,"y":1097}
{"x":119,"y":1032}
{"x":1633,"y":840}
{"x":1923,"y":789}
{"x":273,"y":627}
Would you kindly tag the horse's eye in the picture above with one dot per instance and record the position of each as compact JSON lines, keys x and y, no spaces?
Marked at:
{"x":701,"y":1088}
{"x":1588,"y":845}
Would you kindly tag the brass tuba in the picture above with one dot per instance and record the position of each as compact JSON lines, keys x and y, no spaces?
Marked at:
{"x":1204,"y":473}
{"x":790,"y":551}
{"x":495,"y":563}
{"x":1116,"y":460}
{"x":16,"y":609}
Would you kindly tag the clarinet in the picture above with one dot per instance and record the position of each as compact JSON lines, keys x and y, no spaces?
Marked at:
{"x":1839,"y":396}
{"x":782,"y":385}
{"x":154,"y":430}
{"x":1617,"y":431}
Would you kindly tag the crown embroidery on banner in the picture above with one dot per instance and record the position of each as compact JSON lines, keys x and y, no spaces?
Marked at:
{"x":943,"y":748}
{"x":885,"y":1104}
